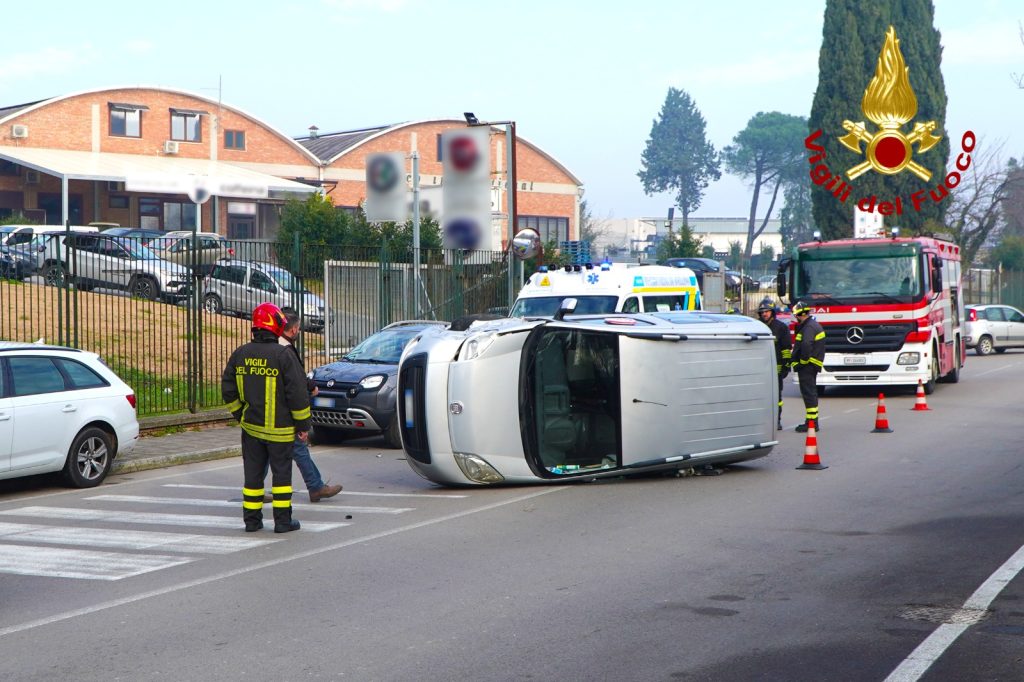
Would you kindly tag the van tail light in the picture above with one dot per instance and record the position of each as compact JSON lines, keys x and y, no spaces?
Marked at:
{"x":972,"y":315}
{"x":131,"y":399}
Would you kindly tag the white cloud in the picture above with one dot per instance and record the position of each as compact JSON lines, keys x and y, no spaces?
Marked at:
{"x":50,"y":60}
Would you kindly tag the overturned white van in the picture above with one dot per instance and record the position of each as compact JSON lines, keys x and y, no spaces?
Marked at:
{"x":553,"y":400}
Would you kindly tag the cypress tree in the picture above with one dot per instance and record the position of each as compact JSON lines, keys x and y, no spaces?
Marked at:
{"x":853,"y":34}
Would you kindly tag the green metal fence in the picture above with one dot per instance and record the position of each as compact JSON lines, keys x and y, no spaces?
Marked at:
{"x":171,"y":344}
{"x":994,"y":286}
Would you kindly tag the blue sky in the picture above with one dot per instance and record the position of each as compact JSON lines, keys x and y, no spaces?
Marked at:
{"x":583,"y":80}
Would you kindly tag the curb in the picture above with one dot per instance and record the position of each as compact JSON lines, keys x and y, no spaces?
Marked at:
{"x":161,"y":461}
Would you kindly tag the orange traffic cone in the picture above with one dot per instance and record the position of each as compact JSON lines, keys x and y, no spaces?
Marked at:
{"x":811,"y":459}
{"x":920,"y":405}
{"x":881,"y":421}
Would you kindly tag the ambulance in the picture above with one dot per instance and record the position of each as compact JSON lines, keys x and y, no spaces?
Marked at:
{"x":609,"y":288}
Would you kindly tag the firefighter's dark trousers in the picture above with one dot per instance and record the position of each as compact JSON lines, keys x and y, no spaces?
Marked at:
{"x":255,"y":455}
{"x":808,"y":378}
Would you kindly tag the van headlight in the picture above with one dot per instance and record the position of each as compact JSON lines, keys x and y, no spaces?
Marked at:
{"x":908,"y":359}
{"x":475,"y":346}
{"x":477,"y":469}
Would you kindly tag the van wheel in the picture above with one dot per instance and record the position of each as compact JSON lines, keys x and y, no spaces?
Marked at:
{"x":54,"y":274}
{"x":213,"y":304}
{"x":143,"y":287}
{"x":89,"y":459}
{"x":392,"y":434}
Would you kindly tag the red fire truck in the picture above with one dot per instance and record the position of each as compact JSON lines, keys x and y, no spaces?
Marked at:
{"x":892,"y":308}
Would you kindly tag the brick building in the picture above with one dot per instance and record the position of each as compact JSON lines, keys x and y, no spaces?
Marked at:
{"x":130,"y":156}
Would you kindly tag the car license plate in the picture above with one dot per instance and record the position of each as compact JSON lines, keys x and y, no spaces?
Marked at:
{"x":323,"y":402}
{"x":855,"y":360}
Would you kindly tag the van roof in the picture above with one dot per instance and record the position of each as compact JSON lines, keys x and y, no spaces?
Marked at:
{"x":618,"y":279}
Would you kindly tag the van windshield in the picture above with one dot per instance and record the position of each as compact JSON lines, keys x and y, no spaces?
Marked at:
{"x":547,"y":306}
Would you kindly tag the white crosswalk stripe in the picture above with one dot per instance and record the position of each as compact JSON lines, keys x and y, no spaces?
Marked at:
{"x":186,"y":520}
{"x":59,"y":562}
{"x":235,"y":488}
{"x":237,"y":504}
{"x":127,"y":539}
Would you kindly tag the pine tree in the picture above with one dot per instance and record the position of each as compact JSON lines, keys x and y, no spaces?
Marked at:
{"x":852,"y":38}
{"x":678,"y":155}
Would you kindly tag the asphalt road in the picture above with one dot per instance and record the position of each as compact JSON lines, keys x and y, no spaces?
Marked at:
{"x":892,"y":561}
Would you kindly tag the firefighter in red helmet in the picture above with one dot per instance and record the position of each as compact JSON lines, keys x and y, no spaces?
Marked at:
{"x":264,"y":387}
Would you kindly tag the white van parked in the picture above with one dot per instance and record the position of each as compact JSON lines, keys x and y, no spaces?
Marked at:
{"x":609,"y":288}
{"x":12,"y":235}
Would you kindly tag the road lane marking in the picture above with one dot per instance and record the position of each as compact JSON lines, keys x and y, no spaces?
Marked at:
{"x":68,"y":615}
{"x":927,"y":652}
{"x":60,"y":562}
{"x":127,"y":539}
{"x":188,"y":520}
{"x":237,"y":504}
{"x":235,"y":488}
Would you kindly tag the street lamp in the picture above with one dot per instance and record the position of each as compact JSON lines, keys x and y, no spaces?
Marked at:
{"x":510,"y":173}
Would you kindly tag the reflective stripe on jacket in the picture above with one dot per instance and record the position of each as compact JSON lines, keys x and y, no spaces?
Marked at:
{"x":783,"y":344}
{"x":264,"y":386}
{"x":809,"y":345}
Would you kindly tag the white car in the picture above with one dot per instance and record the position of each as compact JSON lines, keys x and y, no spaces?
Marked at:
{"x":63,"y":410}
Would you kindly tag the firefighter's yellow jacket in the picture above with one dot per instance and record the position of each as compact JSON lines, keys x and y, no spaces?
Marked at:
{"x":264,"y":387}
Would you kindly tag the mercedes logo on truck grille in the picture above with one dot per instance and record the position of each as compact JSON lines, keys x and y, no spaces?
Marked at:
{"x":855,"y":335}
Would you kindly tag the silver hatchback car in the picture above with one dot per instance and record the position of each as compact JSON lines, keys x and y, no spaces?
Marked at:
{"x":238,"y":286}
{"x":994,"y":328}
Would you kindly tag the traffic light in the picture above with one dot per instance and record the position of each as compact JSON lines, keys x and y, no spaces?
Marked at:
{"x":385,"y":188}
{"x":466,"y":187}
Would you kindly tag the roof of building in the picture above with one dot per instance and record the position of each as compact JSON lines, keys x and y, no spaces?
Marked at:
{"x":15,"y":108}
{"x":329,"y":146}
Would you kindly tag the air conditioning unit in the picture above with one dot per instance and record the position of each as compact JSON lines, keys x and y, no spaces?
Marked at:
{"x":19,"y":131}
{"x":170,"y":147}
{"x":31,"y":177}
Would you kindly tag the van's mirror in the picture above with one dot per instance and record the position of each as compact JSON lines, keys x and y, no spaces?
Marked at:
{"x":567,"y":307}
{"x":780,"y":279}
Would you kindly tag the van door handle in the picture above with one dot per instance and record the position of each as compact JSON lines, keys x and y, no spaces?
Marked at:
{"x":69,"y":408}
{"x":4,"y":416}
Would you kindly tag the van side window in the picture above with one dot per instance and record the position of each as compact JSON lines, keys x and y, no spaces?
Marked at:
{"x":631,"y":305}
{"x":257,"y":280}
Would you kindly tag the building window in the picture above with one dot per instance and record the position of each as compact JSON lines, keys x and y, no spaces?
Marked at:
{"x":234,"y":139}
{"x":118,"y":201}
{"x":126,"y":119}
{"x":8,"y":167}
{"x":550,"y":228}
{"x":179,"y":216}
{"x":186,"y":125}
{"x":440,"y":149}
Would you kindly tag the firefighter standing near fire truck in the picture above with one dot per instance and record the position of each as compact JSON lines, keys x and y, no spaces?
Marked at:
{"x":807,"y":360}
{"x":264,"y":387}
{"x":783,"y":344}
